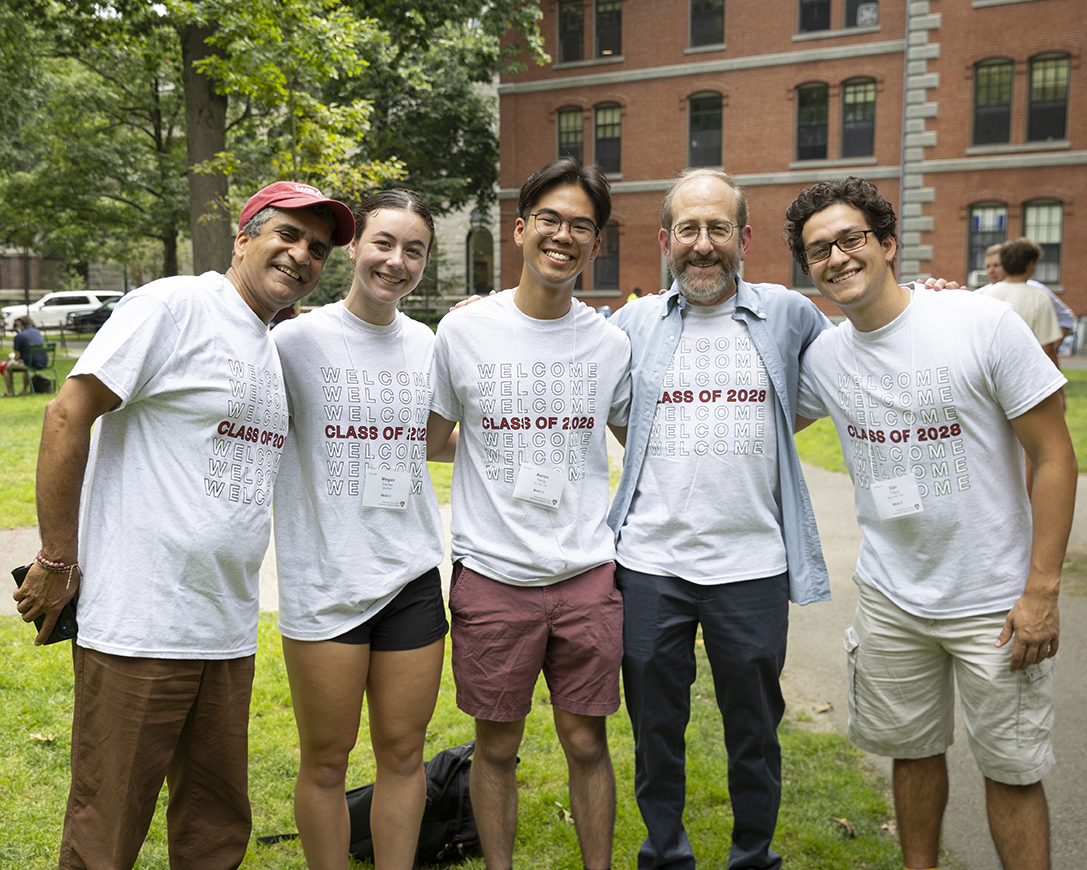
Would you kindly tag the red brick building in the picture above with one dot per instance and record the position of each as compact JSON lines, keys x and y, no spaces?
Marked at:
{"x":969,"y":115}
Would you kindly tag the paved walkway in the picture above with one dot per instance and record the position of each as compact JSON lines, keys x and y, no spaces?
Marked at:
{"x":815,"y":674}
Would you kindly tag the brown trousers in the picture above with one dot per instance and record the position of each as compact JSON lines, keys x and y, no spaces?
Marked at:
{"x":138,"y":722}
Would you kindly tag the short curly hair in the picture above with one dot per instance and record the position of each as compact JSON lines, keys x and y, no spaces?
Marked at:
{"x":852,"y":191}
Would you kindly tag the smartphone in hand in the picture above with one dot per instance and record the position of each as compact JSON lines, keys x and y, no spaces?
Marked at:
{"x":66,"y":628}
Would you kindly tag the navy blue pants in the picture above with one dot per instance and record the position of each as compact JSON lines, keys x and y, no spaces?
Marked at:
{"x":744,"y":627}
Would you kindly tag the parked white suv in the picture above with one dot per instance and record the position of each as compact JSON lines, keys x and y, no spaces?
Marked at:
{"x":52,"y":310}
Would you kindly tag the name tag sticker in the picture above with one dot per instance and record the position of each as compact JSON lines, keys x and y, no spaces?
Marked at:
{"x":898,"y":497}
{"x":540,"y":486}
{"x":386,"y":489}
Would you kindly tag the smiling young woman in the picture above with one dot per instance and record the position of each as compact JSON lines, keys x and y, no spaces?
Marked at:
{"x":358,"y":539}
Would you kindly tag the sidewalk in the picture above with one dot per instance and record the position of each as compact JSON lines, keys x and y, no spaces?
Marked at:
{"x":815,"y":674}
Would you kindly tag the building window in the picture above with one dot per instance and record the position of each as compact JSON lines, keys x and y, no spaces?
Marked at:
{"x":707,"y":22}
{"x":1043,"y":221}
{"x":814,"y":15}
{"x":609,"y":28}
{"x":859,"y":118}
{"x":571,"y":31}
{"x":992,"y":102}
{"x":571,"y":134}
{"x":705,"y":140}
{"x":988,"y":226}
{"x":811,"y":121}
{"x":861,"y":13}
{"x":1048,"y":98}
{"x":608,"y":128}
{"x":606,"y":264}
{"x":480,"y":258}
{"x":801,"y":279}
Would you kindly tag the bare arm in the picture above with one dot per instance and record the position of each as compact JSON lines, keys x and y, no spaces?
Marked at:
{"x":1051,"y":352}
{"x":440,"y":442}
{"x":62,"y":459}
{"x":444,"y":452}
{"x":1034,"y":620}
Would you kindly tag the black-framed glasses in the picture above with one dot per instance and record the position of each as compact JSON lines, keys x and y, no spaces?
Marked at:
{"x":849,"y":242}
{"x":719,"y":233}
{"x":548,"y":223}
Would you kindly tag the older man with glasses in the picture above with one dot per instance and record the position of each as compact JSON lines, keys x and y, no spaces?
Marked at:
{"x":713,"y":523}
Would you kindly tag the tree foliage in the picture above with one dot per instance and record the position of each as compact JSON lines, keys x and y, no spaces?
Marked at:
{"x":348,"y":96}
{"x":99,"y":161}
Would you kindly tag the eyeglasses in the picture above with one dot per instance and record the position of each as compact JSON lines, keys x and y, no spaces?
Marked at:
{"x":848,"y":242}
{"x":548,"y":224}
{"x":687,"y":234}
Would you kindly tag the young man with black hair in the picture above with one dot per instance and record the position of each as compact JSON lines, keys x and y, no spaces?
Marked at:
{"x":533,"y":376}
{"x":934,"y":397}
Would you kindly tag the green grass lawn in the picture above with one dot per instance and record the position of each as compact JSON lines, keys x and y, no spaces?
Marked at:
{"x":825,"y":782}
{"x":823,"y":778}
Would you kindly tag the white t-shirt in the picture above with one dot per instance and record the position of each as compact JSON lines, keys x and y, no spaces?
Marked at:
{"x":930,"y":396}
{"x":1033,"y":305}
{"x":359,"y":397}
{"x":175,"y":511}
{"x":712,"y":453}
{"x":533,"y":398}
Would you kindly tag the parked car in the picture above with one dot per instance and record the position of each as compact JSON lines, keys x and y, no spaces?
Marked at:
{"x":80,"y":323}
{"x":52,"y":310}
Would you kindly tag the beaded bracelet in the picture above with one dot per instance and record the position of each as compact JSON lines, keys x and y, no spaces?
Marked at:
{"x":58,"y":567}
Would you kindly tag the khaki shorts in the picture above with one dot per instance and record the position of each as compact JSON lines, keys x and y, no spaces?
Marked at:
{"x":503,"y":636}
{"x":902,"y":675}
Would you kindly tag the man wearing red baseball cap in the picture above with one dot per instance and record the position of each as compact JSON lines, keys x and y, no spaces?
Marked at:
{"x":160,"y":521}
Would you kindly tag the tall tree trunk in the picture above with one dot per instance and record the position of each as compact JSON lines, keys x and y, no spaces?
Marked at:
{"x":169,"y":253}
{"x":205,"y":136}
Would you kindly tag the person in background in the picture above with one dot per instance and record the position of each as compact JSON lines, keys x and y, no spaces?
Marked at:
{"x":1018,"y":259}
{"x":26,"y":336}
{"x":1066,"y":318}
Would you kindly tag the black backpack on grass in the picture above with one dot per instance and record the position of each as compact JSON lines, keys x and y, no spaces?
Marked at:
{"x":448,"y":832}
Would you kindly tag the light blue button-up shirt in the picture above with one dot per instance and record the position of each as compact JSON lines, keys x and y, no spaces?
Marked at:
{"x":782,"y":323}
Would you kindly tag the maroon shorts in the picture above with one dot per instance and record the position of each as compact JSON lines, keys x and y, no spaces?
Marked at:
{"x":503,"y":636}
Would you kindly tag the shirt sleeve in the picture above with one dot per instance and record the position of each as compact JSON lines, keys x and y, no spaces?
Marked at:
{"x":444,"y":400}
{"x":132,"y":346}
{"x":619,"y":413}
{"x":1022,"y":374}
{"x":808,"y":401}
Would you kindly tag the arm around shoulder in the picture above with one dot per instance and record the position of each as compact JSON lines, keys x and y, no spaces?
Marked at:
{"x":441,"y":439}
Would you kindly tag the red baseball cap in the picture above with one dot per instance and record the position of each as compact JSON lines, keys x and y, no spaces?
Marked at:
{"x":291,"y":194}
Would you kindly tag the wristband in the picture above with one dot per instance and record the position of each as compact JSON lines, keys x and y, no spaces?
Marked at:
{"x":58,"y":567}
